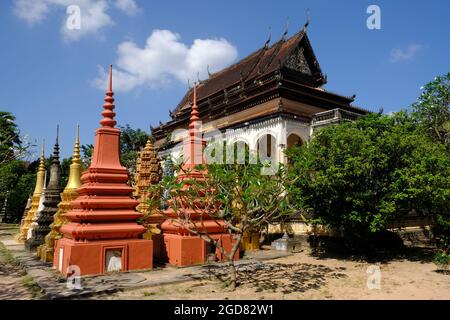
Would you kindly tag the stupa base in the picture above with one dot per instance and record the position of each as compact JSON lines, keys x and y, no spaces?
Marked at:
{"x":182,"y":251}
{"x":99,"y":257}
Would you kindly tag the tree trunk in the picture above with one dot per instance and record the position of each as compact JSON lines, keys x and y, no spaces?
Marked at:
{"x":233,"y":273}
{"x":233,"y":276}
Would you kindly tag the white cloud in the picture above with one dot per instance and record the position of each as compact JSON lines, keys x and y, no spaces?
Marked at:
{"x":163,"y":58}
{"x":128,"y":6}
{"x":408,"y":53}
{"x":30,"y":11}
{"x":94,"y":14}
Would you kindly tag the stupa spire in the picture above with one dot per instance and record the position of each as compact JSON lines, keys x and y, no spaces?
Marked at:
{"x":194,"y":114}
{"x":102,"y":234}
{"x":108,"y":112}
{"x":56,"y":147}
{"x":194,"y":144}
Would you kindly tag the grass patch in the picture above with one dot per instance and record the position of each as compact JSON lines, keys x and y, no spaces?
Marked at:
{"x":6,"y":255}
{"x":148,"y":294}
{"x":31,"y":285}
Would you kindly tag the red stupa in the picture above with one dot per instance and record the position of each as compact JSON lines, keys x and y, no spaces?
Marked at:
{"x":102,"y":234}
{"x":183,"y":248}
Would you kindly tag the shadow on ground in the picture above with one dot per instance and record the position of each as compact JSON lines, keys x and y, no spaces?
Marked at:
{"x":281,"y":277}
{"x":392,"y":250}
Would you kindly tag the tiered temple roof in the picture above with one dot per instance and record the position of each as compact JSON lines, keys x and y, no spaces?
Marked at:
{"x":287,"y":69}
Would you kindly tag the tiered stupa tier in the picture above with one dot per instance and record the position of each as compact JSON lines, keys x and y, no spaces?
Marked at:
{"x":40,"y":181}
{"x":69,"y":194}
{"x":102,"y":234}
{"x":182,"y":247}
{"x":148,"y":173}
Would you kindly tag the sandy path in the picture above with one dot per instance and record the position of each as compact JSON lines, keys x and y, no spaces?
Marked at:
{"x":302,"y":276}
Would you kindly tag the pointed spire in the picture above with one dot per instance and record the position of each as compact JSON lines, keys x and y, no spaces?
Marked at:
{"x":108,"y":114}
{"x":74,"y":181}
{"x":56,"y":147}
{"x":76,"y":149}
{"x":194,"y":113}
{"x":42,"y":160}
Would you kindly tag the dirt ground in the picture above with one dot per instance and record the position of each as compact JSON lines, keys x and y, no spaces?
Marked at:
{"x":303,"y":276}
{"x":13,"y":282}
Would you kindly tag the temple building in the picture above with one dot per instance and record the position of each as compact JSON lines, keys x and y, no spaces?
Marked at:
{"x":274,"y":97}
{"x":70,"y":193}
{"x":40,"y":182}
{"x":102,"y":234}
{"x":148,"y":173}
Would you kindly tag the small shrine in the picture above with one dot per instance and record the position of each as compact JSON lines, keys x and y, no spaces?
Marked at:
{"x":102,"y":234}
{"x":69,"y":194}
{"x":148,"y":172}
{"x":182,"y":247}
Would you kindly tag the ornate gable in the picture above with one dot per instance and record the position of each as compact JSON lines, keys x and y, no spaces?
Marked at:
{"x":298,"y":62}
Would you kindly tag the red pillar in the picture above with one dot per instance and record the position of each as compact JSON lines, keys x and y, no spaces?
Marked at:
{"x":103,"y":234}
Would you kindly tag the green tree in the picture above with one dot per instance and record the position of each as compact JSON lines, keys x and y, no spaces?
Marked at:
{"x":131,"y":142}
{"x":86,"y":154}
{"x":432,"y":109}
{"x":12,"y":146}
{"x":358,"y":176}
{"x":10,"y":175}
{"x":19,"y":195}
{"x":237,"y":194}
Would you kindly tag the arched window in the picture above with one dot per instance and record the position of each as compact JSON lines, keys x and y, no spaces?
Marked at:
{"x":266,"y":147}
{"x":294,"y":140}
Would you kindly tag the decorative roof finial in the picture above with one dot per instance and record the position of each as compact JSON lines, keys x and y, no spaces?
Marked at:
{"x":108,"y":114}
{"x":308,"y":19}
{"x":207,"y":70}
{"x":189,"y":84}
{"x":286,"y":30}
{"x":266,"y":45}
{"x":198,"y":77}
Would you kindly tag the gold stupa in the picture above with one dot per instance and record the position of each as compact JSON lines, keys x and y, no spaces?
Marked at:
{"x":40,"y":181}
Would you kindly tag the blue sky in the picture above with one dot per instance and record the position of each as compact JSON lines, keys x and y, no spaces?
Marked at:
{"x":49,"y":77}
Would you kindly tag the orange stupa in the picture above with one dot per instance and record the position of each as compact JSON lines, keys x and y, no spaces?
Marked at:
{"x":102,"y":234}
{"x":182,"y":248}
